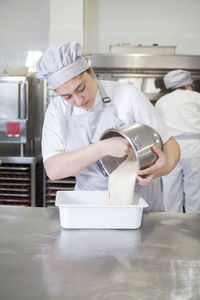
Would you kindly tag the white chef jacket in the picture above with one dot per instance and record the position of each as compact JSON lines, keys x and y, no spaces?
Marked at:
{"x":181,"y":112}
{"x":130,"y":106}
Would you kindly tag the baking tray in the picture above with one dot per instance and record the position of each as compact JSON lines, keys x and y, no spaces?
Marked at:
{"x":90,"y":210}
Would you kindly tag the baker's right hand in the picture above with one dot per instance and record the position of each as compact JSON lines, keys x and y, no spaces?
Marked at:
{"x":116,"y":146}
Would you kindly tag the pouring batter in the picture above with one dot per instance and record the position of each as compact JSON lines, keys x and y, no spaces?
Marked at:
{"x":121,"y":183}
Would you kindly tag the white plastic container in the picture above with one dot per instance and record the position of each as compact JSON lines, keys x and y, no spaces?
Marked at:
{"x":90,"y":210}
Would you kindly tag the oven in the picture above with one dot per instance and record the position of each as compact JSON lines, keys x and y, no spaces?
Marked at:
{"x":14,"y":109}
{"x":22,"y":101}
{"x":21,"y":114}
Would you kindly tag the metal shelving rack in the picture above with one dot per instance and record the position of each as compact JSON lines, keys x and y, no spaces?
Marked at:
{"x":21,"y":181}
{"x":51,"y":187}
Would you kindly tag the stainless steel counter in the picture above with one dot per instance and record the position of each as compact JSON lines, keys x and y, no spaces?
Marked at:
{"x":39,"y":260}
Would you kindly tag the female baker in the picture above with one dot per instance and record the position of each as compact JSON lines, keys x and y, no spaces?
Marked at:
{"x":82,"y":111}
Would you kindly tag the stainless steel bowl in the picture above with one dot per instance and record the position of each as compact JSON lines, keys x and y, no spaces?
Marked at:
{"x":142,"y":138}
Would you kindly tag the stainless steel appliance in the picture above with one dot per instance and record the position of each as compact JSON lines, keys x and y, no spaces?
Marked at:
{"x":144,"y":71}
{"x":14,"y":109}
{"x":21,"y":118}
{"x":21,"y":114}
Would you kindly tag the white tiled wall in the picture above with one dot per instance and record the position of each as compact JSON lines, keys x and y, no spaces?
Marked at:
{"x":27,"y":25}
{"x":24,"y":26}
{"x":171,"y":22}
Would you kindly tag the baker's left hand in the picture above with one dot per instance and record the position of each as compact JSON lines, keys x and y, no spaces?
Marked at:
{"x":156,"y":170}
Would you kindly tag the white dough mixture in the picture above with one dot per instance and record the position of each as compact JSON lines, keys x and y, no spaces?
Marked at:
{"x":121,"y":184}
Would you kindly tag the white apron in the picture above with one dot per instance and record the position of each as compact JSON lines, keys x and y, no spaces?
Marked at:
{"x":85,"y":129}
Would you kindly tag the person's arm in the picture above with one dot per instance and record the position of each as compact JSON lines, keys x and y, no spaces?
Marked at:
{"x":166,"y":162}
{"x":70,"y":163}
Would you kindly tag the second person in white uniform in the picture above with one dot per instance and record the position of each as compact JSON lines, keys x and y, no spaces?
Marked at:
{"x":82,"y":111}
{"x":181,"y":112}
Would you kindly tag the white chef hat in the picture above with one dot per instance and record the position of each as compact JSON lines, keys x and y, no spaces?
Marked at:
{"x":61,"y":63}
{"x":177,"y":78}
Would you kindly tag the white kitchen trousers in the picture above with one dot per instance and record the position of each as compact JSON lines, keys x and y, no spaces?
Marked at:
{"x":182,"y":187}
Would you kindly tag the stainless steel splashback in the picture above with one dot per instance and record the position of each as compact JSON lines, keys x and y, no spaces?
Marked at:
{"x":144,"y":71}
{"x":145,"y":62}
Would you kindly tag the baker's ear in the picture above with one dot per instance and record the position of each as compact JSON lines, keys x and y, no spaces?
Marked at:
{"x":91,"y":71}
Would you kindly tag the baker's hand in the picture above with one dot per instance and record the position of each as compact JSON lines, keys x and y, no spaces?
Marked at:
{"x":116,"y":146}
{"x":157,"y":170}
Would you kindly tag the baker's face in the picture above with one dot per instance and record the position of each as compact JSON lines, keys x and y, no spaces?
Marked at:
{"x":80,"y":91}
